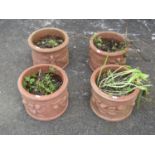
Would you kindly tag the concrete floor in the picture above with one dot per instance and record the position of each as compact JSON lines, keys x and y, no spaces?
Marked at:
{"x":15,"y":56}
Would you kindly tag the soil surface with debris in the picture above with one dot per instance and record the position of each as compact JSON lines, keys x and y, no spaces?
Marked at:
{"x":79,"y":118}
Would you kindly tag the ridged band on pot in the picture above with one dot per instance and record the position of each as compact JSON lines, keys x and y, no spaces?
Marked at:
{"x":97,"y":56}
{"x":57,"y":56}
{"x":46,"y":107}
{"x":110,"y":108}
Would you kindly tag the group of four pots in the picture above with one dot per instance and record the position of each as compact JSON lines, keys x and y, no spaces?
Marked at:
{"x":49,"y":107}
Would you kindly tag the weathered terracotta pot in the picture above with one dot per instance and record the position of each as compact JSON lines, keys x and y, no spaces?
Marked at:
{"x":97,"y":56}
{"x":47,"y":107}
{"x":58,"y":55}
{"x":111,"y":108}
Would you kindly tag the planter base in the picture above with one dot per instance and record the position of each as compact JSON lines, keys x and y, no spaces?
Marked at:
{"x":47,"y":119}
{"x":107,"y":118}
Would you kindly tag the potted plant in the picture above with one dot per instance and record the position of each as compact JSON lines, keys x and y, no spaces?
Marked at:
{"x":116,"y":89}
{"x":44,"y":91}
{"x":111,"y":44}
{"x":49,"y":46}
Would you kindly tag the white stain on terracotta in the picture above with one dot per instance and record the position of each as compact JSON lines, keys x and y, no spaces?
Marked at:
{"x":99,"y":51}
{"x":37,"y":96}
{"x":114,"y":97}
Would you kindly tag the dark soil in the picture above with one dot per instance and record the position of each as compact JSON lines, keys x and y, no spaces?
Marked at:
{"x":49,"y":42}
{"x":109,"y":45}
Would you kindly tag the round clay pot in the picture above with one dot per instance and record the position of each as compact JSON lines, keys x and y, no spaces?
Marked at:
{"x":97,"y":56}
{"x":57,"y":56}
{"x":111,"y":108}
{"x":47,"y":107}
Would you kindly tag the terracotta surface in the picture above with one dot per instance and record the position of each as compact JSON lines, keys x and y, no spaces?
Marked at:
{"x":108,"y":107}
{"x":97,"y":56}
{"x":47,"y":107}
{"x":58,"y":55}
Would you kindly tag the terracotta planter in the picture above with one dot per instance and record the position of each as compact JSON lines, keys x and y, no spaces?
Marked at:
{"x":58,"y":55}
{"x":97,"y":56}
{"x":107,"y":107}
{"x":47,"y":107}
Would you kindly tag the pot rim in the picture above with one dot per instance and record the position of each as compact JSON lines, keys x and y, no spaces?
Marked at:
{"x":104,"y":95}
{"x":48,"y":50}
{"x":104,"y":53}
{"x":25,"y":93}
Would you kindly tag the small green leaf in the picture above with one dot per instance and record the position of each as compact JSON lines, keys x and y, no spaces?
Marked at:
{"x":32,"y":81}
{"x":24,"y":84}
{"x":27,"y":78}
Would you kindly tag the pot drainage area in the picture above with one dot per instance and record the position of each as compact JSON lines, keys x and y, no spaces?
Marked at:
{"x":15,"y":56}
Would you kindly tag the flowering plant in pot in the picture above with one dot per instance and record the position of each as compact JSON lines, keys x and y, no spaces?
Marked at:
{"x":44,"y":91}
{"x":49,"y":46}
{"x":116,"y":89}
{"x":111,"y":44}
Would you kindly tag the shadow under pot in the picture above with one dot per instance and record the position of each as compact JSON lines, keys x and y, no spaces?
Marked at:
{"x":108,"y":107}
{"x":107,"y":45}
{"x":49,"y":46}
{"x":44,"y":91}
